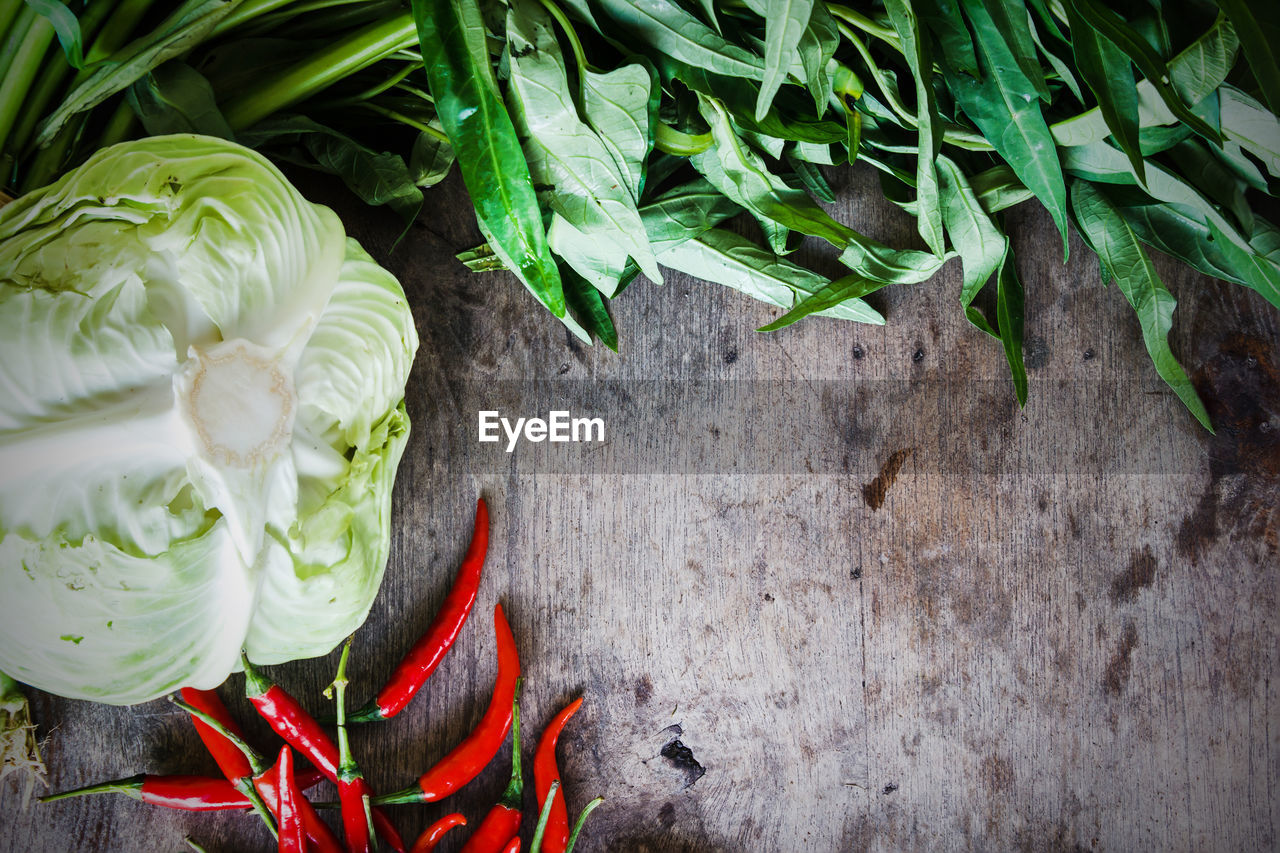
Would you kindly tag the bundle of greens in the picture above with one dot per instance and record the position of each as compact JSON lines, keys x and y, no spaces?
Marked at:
{"x":602,"y":139}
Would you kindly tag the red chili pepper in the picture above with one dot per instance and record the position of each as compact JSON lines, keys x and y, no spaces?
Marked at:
{"x":556,"y":837}
{"x":426,"y":654}
{"x":300,"y":730}
{"x":293,"y":839}
{"x":465,"y":761}
{"x":513,"y":846}
{"x":230,"y":759}
{"x":319,"y":834}
{"x":265,"y":781}
{"x":428,"y":840}
{"x":189,"y":793}
{"x":353,"y":795}
{"x":503,"y":820}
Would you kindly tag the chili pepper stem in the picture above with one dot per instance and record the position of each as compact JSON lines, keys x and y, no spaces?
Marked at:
{"x":255,"y":761}
{"x":536,"y":843}
{"x":348,"y":770}
{"x":412,"y":794}
{"x":130,"y":787}
{"x":582,"y":818}
{"x":250,"y":754}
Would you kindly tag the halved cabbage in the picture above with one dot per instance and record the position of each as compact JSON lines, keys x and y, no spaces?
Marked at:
{"x":201,"y":414}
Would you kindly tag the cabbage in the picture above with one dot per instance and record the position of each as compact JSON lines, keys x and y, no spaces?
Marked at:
{"x":201,"y":414}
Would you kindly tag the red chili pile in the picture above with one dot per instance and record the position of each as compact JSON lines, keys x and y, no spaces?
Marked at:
{"x":275,"y":791}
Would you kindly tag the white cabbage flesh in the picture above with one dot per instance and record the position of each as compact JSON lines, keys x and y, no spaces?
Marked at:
{"x":201,"y":415}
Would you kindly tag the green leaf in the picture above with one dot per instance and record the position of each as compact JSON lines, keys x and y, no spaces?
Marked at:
{"x":1259,"y":50}
{"x":683,"y":213}
{"x":563,"y":153}
{"x":1114,"y":28}
{"x":1249,"y":125}
{"x":817,"y":47}
{"x":1107,"y":233}
{"x":852,"y":286}
{"x":186,"y":27}
{"x":811,"y":177}
{"x":456,"y":57}
{"x":740,"y":174}
{"x":929,"y":215}
{"x":598,"y":261}
{"x":1004,"y":106}
{"x":1011,"y":18}
{"x":739,"y":95}
{"x":1009,"y":316}
{"x":1195,"y":72}
{"x":65,"y":25}
{"x":589,"y":308}
{"x":785,"y":22}
{"x":998,"y":188}
{"x":376,"y":177}
{"x":982,"y":246}
{"x":621,"y":107}
{"x":431,"y":158}
{"x":948,"y":27}
{"x":175,"y":98}
{"x":1109,"y":75}
{"x":724,"y":257}
{"x":665,"y":26}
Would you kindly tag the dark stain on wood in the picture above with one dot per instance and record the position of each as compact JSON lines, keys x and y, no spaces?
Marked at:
{"x":890,"y":788}
{"x":1140,"y":573}
{"x":643,"y":690}
{"x":997,"y":774}
{"x":681,"y":758}
{"x":874,"y":492}
{"x":1240,"y":386}
{"x":1117,"y":674}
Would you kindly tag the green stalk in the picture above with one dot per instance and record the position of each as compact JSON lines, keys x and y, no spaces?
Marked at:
{"x":541,"y":829}
{"x":9,"y":10}
{"x":22,"y":71}
{"x":322,"y":70}
{"x":868,"y":26}
{"x":582,"y":818}
{"x":406,"y":120}
{"x":246,"y":12}
{"x":54,"y":75}
{"x":118,"y":31}
{"x":671,"y":141}
{"x":348,"y":770}
{"x":119,"y":127}
{"x":14,"y":39}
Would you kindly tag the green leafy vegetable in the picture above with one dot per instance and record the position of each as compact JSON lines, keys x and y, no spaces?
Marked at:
{"x":1124,"y":259}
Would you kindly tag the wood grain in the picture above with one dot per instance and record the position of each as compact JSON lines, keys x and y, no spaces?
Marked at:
{"x":919,"y":619}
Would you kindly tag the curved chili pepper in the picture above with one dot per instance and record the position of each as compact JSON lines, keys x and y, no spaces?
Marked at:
{"x":189,"y":793}
{"x":290,"y":720}
{"x":503,"y":820}
{"x":293,"y":839}
{"x":431,"y":836}
{"x":465,"y":761}
{"x":513,"y":846}
{"x":545,"y":771}
{"x":426,"y":654}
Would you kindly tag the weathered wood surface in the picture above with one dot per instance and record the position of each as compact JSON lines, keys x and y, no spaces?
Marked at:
{"x":914,"y":618}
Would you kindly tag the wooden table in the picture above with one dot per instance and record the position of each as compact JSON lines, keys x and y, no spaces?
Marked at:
{"x":879,"y":606}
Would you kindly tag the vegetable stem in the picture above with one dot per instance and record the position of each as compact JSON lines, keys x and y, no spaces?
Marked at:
{"x":574,"y":43}
{"x":868,"y":26}
{"x":322,"y":70}
{"x":21,"y":72}
{"x":666,"y":138}
{"x":406,"y":120}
